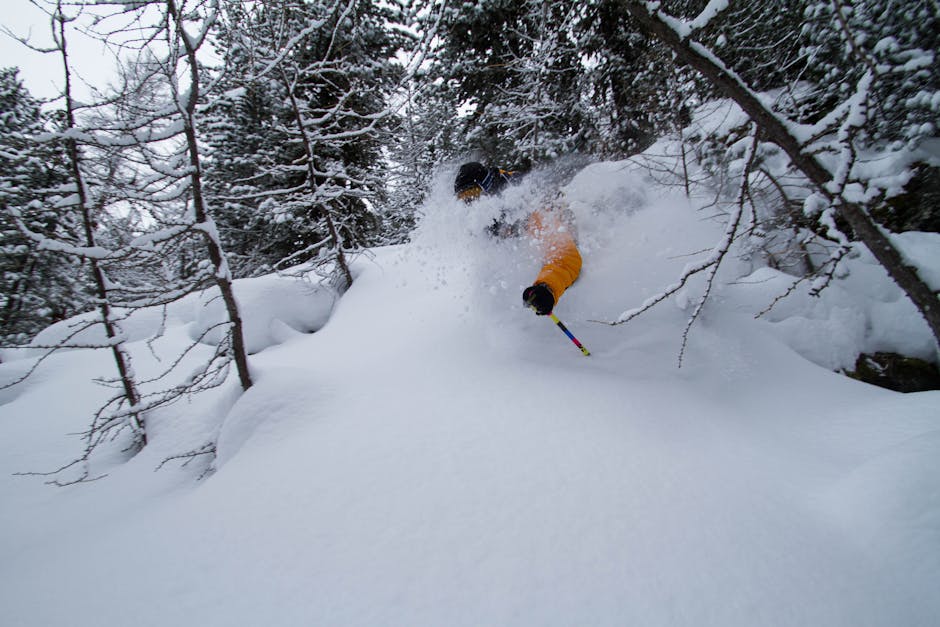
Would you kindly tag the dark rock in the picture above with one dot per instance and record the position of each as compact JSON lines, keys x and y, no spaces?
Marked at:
{"x":896,"y":372}
{"x":916,"y":208}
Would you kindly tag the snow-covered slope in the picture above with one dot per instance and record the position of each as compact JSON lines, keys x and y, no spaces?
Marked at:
{"x":437,"y":455}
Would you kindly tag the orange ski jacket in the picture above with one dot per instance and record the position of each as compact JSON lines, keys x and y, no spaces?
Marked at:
{"x":560,"y":255}
{"x":552,"y":228}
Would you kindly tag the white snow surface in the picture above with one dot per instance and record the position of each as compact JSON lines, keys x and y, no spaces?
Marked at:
{"x":435,"y":454}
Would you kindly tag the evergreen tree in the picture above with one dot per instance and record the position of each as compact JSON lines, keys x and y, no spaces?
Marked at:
{"x":424,"y":133}
{"x":638,"y":90}
{"x":515,"y":70}
{"x":244,"y":125}
{"x":540,"y":109}
{"x":423,"y":138}
{"x":619,"y":54}
{"x":341,"y":79}
{"x":36,"y":288}
{"x":897,"y":44}
{"x":310,"y":83}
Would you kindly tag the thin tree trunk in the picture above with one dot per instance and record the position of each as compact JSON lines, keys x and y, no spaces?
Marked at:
{"x":121,"y":358}
{"x":312,"y":184}
{"x":222,"y":273}
{"x":923,"y":297}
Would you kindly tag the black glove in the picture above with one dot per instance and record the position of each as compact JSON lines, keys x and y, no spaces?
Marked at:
{"x":540,"y":298}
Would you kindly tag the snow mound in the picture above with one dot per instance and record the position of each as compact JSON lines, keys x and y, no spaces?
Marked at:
{"x":86,"y":330}
{"x":273,"y":310}
{"x":861,"y":311}
{"x":437,"y":455}
{"x":892,"y":500}
{"x":262,"y":411}
{"x":602,"y":187}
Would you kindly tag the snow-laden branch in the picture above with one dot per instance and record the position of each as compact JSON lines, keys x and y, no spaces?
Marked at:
{"x":303,"y":252}
{"x":731,"y":232}
{"x":712,"y":262}
{"x":55,"y":245}
{"x":194,"y":42}
{"x":288,"y":46}
{"x":268,"y":193}
{"x":855,"y":119}
{"x":133,"y":135}
{"x":686,"y":28}
{"x":423,"y":47}
{"x":779,"y":131}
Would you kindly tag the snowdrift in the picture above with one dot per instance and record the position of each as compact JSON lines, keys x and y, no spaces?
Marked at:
{"x":434,"y":454}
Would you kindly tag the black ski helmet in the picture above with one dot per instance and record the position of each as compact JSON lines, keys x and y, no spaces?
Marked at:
{"x":470,"y":175}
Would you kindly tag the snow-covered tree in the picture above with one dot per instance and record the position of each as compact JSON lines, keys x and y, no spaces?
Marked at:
{"x":421,"y":135}
{"x":78,"y":201}
{"x":324,"y":70}
{"x":637,"y":91}
{"x":856,"y":133}
{"x":417,"y":144}
{"x":137,"y":153}
{"x":36,"y":288}
{"x":159,"y":118}
{"x":244,"y":129}
{"x":514,"y":70}
{"x":539,"y":108}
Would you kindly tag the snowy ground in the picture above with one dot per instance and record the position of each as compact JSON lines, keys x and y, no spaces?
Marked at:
{"x":437,"y":455}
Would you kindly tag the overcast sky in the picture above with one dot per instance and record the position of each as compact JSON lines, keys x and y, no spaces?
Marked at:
{"x":42,"y":73}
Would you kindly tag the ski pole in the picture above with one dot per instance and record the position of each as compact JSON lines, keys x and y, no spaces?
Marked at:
{"x":568,"y":333}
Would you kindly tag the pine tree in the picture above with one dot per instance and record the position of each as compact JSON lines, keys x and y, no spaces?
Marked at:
{"x":619,"y":54}
{"x":540,"y":109}
{"x":424,"y":133}
{"x":897,"y":44}
{"x":421,"y":140}
{"x":244,"y":126}
{"x":638,"y":91}
{"x":325,"y":71}
{"x":515,"y":69}
{"x":36,"y":288}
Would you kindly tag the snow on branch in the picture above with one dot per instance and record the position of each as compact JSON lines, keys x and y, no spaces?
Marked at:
{"x":312,"y":27}
{"x":195,"y":41}
{"x":55,"y":245}
{"x":685,"y":28}
{"x":711,"y":263}
{"x":777,"y":129}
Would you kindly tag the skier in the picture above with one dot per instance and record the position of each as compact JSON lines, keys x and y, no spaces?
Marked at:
{"x":551,"y":227}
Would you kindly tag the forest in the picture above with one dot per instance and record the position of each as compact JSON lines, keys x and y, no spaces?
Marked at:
{"x":244,"y":138}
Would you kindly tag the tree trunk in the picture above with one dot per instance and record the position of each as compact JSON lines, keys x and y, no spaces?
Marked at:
{"x":346,"y":274}
{"x":121,"y":358}
{"x":222,"y":273}
{"x":923,"y":297}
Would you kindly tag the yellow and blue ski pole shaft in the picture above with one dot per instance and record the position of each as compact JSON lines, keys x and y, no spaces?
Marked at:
{"x":530,"y":302}
{"x":568,"y":333}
